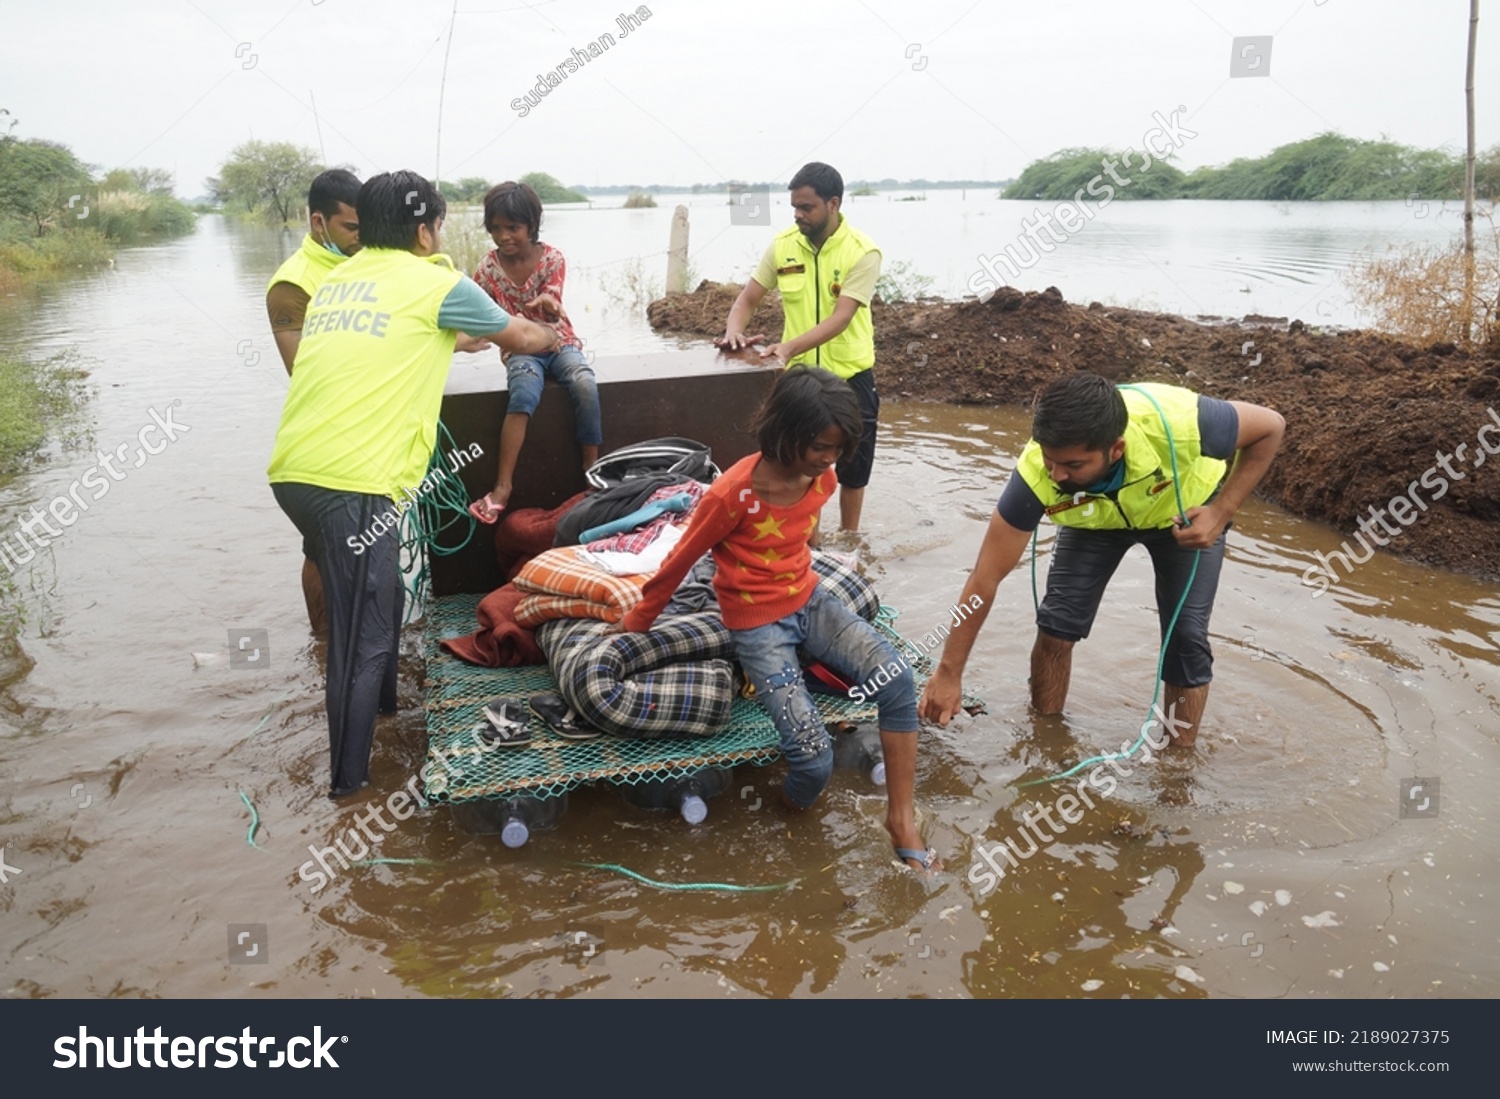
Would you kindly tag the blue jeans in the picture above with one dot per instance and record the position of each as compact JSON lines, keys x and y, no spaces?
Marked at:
{"x":526,"y":374}
{"x":827,"y":631}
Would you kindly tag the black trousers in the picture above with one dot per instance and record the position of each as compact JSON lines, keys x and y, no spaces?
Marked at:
{"x":1083,"y":562}
{"x":363,"y":592}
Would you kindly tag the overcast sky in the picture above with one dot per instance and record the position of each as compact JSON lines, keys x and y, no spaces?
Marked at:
{"x":711,"y":90}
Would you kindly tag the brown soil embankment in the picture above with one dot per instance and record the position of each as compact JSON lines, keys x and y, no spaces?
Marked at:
{"x":1367,"y":414}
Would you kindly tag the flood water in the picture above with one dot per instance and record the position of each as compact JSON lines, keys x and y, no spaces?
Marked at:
{"x":1275,"y":862}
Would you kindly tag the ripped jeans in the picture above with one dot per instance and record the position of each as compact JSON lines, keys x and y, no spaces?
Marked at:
{"x":828,"y":631}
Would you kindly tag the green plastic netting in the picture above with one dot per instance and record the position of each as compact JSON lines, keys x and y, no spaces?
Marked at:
{"x":462,"y":769}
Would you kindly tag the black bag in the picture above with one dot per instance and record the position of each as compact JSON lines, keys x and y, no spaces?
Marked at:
{"x":670,"y":455}
{"x":612,"y":503}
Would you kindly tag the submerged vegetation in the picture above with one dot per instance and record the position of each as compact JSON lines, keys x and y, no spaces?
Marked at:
{"x":1434,"y":294}
{"x":1327,"y":167}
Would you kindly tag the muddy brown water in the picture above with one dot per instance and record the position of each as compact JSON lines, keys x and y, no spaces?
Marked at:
{"x":1276,"y":861}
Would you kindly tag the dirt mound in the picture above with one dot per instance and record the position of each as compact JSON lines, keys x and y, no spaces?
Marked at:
{"x":1368,"y":416}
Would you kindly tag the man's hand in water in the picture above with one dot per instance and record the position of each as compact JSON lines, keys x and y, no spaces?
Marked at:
{"x":738,"y":341}
{"x":942,"y":698}
{"x":470,"y":344}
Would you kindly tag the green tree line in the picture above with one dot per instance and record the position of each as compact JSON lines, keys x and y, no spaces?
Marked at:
{"x":56,"y":214}
{"x":1327,"y":167}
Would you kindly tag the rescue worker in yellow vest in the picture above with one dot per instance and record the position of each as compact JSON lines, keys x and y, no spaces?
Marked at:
{"x":359,"y":427}
{"x":332,"y":237}
{"x":1100,"y":464}
{"x":825,"y":271}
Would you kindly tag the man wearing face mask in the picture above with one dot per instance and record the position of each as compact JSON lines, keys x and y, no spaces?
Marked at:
{"x":332,"y":236}
{"x":1111,"y":465}
{"x":358,"y":430}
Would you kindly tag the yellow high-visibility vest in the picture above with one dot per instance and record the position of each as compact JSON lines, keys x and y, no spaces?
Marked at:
{"x":307,"y":267}
{"x":361,"y":414}
{"x":809,"y":282}
{"x":1146,"y":500}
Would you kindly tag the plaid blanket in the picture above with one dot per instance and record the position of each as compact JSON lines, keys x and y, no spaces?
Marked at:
{"x":851,"y":588}
{"x":558,"y":585}
{"x":676,"y":680}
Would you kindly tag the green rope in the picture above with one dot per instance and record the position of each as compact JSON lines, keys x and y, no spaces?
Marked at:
{"x":696,"y":886}
{"x":254,"y":823}
{"x":440,"y":509}
{"x":1161,"y":657}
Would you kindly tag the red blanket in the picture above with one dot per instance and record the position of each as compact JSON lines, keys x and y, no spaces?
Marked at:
{"x":500,"y":643}
{"x":523,"y":534}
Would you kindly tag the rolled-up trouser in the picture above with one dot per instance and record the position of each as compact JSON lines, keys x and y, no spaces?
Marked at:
{"x":1084,"y":560}
{"x":361,"y":587}
{"x":827,"y":631}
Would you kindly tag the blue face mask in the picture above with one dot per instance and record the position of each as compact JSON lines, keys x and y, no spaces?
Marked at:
{"x":327,"y":242}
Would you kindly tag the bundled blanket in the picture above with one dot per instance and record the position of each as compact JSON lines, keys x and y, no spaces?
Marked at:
{"x":500,"y":641}
{"x":558,"y":585}
{"x":677,"y":680}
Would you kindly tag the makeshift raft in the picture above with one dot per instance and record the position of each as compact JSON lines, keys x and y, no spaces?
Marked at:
{"x":461,"y":768}
{"x":694,"y":392}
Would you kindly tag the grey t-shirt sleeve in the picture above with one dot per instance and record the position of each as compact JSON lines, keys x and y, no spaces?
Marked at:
{"x":469,"y":309}
{"x":1218,"y":428}
{"x":1019,"y":506}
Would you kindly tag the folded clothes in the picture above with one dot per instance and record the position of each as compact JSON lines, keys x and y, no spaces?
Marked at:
{"x":533,"y":610}
{"x":565,"y":587}
{"x":635,"y":538}
{"x":680,"y":502}
{"x":643,"y":563}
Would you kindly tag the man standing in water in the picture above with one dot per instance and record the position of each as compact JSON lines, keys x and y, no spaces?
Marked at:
{"x":1109,"y":465}
{"x":826,"y":272}
{"x":359,"y":426}
{"x":332,"y":237}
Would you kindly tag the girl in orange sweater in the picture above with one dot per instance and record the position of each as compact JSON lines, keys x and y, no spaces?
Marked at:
{"x":758,"y":519}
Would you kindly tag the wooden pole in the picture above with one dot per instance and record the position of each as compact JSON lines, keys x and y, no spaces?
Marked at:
{"x":677,"y":253}
{"x":1468,"y":307}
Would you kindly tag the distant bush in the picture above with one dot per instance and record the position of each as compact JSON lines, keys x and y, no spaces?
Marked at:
{"x":1327,"y":167}
{"x":900,"y":282}
{"x":639,"y":200}
{"x":549,"y":189}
